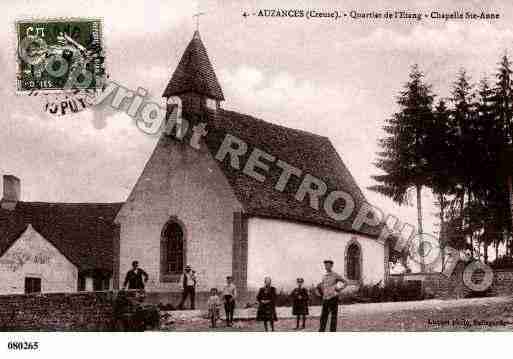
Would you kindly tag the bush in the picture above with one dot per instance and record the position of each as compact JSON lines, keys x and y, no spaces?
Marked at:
{"x":166,"y":307}
{"x":131,"y":314}
{"x":390,"y":292}
{"x":283,"y":298}
{"x":502,"y":263}
{"x":479,"y":294}
{"x":374,"y":293}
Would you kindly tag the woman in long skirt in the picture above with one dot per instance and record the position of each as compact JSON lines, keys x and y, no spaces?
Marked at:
{"x":267,"y":304}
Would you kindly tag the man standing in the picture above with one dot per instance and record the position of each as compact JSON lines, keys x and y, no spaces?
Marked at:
{"x":329,"y":290}
{"x":229,"y":295}
{"x":134,"y":277}
{"x":188,"y":280}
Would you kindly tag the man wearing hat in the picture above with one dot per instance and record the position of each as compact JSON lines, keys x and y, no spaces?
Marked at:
{"x":329,"y":289}
{"x":188,"y":280}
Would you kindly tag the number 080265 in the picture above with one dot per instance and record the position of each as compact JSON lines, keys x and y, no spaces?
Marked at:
{"x":23,"y":345}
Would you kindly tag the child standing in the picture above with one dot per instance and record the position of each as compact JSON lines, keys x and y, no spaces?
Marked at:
{"x":267,"y":304}
{"x":229,"y":295}
{"x":213,"y":304}
{"x":300,"y":298}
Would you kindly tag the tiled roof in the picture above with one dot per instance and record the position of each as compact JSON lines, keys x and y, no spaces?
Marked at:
{"x":82,"y":232}
{"x":311,"y":153}
{"x":194,"y":73}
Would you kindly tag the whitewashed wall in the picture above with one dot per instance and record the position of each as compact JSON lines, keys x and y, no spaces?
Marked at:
{"x":33,"y":256}
{"x":183,"y":183}
{"x":287,"y":250}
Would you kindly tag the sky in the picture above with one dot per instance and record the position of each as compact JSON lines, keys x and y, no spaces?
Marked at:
{"x":338,"y":79}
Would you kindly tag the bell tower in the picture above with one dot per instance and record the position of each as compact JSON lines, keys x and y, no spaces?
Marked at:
{"x":195,"y":81}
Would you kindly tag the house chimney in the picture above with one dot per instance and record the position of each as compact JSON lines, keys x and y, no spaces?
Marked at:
{"x":12,"y":189}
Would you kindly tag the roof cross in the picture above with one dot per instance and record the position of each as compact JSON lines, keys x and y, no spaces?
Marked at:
{"x":197,"y":15}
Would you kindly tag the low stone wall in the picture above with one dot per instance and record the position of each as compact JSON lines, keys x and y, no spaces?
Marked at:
{"x":503,"y":282}
{"x":437,"y":285}
{"x":85,"y":311}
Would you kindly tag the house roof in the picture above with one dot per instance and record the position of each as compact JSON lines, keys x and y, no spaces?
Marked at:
{"x":82,"y":232}
{"x":195,"y":73}
{"x":311,"y":153}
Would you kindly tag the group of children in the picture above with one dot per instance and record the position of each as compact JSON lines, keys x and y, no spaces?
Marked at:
{"x":229,"y":295}
{"x":266,"y":298}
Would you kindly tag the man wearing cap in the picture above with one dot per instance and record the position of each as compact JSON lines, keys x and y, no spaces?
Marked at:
{"x":188,"y":280}
{"x":329,"y":289}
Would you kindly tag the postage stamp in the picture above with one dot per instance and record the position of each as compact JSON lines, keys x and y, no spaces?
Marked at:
{"x":54,"y":55}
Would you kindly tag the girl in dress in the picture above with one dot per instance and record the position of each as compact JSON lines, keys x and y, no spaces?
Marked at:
{"x":299,"y":298}
{"x":267,"y":304}
{"x":213,"y":304}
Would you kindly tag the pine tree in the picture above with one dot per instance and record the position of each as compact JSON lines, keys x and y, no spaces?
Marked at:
{"x":440,"y":153}
{"x":503,"y":100}
{"x":503,"y":140}
{"x":463,"y":120}
{"x":403,"y":156}
{"x":488,"y":163}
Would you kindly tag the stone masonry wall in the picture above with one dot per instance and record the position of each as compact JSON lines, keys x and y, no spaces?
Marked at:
{"x":88,"y":311}
{"x":439,"y":286}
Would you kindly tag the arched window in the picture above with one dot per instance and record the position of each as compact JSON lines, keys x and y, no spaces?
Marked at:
{"x":353,"y":262}
{"x":172,"y":248}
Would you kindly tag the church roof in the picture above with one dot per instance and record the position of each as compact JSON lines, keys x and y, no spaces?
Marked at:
{"x":194,"y":73}
{"x":82,"y":232}
{"x":311,"y":153}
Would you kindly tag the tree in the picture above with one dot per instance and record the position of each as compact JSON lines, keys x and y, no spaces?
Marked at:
{"x":463,"y":117}
{"x":440,"y":154}
{"x":503,"y":99}
{"x":503,"y":132}
{"x":487,"y":164}
{"x":403,"y":158}
{"x":482,"y":135}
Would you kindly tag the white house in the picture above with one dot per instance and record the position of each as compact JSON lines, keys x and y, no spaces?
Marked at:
{"x":54,"y":247}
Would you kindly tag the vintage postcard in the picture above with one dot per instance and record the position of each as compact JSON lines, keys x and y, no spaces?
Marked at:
{"x":255,"y":166}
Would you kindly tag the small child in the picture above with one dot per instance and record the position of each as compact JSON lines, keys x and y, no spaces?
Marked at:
{"x":300,"y":302}
{"x":214,"y":303}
